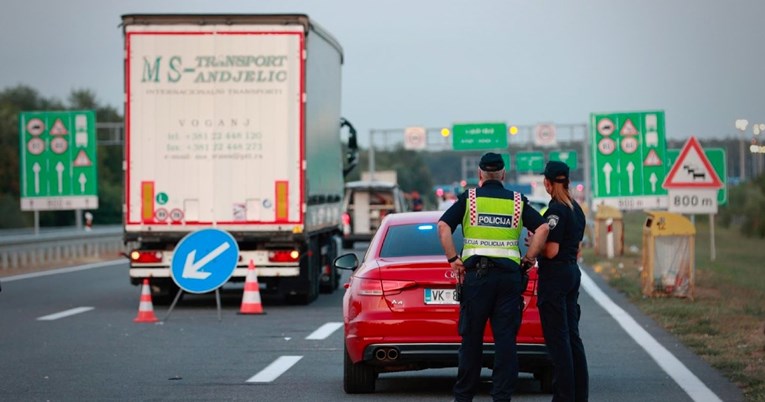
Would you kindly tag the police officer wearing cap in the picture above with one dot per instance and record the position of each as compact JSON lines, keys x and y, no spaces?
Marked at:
{"x":489,"y":269}
{"x":558,"y":287}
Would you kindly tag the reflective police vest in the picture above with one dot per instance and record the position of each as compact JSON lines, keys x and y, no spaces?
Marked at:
{"x":492,"y":227}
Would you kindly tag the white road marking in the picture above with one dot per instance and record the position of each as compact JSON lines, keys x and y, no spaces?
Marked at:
{"x":63,"y":270}
{"x":696,"y":389}
{"x":65,"y":313}
{"x":325,"y":330}
{"x":275,"y":369}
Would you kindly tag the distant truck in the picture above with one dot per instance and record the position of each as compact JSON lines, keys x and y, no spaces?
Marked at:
{"x":233,"y":122}
{"x":366,"y":204}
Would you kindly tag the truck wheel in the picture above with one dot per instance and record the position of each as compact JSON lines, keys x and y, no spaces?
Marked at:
{"x":329,"y":282}
{"x":310,"y":275}
{"x":358,"y":378}
{"x":545,"y":377}
{"x":163,"y":292}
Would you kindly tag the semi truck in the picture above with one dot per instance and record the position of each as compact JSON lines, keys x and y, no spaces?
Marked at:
{"x":234,"y":122}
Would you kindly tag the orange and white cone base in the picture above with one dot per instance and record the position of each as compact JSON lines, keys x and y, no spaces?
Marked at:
{"x":251,"y":303}
{"x":145,"y":307}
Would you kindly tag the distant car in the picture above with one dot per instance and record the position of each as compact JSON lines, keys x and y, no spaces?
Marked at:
{"x":399,"y":311}
{"x":365,"y":204}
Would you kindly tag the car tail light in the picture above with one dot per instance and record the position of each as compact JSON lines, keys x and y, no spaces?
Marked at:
{"x":283,"y":255}
{"x":376,"y":287}
{"x":346,"y":218}
{"x":146,"y":256}
{"x":370,"y":287}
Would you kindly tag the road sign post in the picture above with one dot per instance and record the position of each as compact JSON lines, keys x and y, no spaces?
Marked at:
{"x":202,"y":262}
{"x":629,"y":151}
{"x":694,"y":185}
{"x":58,"y":160}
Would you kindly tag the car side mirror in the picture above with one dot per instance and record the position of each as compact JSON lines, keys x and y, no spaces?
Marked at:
{"x":347,"y":262}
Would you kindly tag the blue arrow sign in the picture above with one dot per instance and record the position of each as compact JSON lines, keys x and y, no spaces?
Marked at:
{"x":204,"y":260}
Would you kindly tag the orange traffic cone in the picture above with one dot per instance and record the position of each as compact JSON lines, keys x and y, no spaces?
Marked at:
{"x":251,"y":298}
{"x":145,"y":308}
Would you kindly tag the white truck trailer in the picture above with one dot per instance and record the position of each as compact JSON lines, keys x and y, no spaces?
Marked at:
{"x":233,"y":122}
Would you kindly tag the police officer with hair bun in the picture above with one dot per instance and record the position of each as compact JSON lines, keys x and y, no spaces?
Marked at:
{"x":558,"y":287}
{"x":489,"y":269}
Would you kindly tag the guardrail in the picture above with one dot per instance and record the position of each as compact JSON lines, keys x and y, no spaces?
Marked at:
{"x":24,"y":250}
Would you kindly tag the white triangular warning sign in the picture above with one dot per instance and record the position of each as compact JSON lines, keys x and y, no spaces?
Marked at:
{"x":58,"y":128}
{"x":652,"y":159}
{"x":692,"y":169}
{"x":628,"y":128}
{"x":82,"y":159}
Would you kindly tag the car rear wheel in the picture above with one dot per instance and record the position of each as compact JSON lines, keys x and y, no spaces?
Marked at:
{"x":358,"y":378}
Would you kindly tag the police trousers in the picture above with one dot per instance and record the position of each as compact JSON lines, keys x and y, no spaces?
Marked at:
{"x":494,"y":296}
{"x":559,"y":311}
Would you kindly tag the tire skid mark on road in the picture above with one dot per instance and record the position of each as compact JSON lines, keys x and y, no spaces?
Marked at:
{"x":691,"y":384}
{"x":324,"y":331}
{"x":65,"y":313}
{"x":275,"y":369}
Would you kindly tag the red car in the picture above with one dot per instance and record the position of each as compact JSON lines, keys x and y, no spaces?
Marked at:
{"x":399,"y":310}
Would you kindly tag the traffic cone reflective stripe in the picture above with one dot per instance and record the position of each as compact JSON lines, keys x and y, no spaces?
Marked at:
{"x":251,"y":303}
{"x":145,"y":307}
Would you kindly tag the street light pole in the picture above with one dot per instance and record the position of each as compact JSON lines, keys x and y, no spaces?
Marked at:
{"x":741,"y":126}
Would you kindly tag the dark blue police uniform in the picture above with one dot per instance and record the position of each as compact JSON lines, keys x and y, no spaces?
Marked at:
{"x":495,"y":295}
{"x":557,"y":300}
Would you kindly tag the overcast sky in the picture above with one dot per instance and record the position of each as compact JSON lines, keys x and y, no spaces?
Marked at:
{"x":432,"y":63}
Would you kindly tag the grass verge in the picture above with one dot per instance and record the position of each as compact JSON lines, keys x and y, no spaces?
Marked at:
{"x":725,"y":323}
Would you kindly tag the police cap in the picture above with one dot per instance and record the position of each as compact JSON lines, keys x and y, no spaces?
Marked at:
{"x":556,"y":171}
{"x":491,"y":162}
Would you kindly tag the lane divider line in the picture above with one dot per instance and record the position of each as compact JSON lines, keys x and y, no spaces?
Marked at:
{"x":65,"y":313}
{"x":63,"y":270}
{"x":691,"y":384}
{"x":324,"y":331}
{"x":275,"y":369}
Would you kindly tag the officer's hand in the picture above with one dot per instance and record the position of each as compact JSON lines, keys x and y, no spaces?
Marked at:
{"x":527,"y":240}
{"x":459,"y":270}
{"x":527,"y":262}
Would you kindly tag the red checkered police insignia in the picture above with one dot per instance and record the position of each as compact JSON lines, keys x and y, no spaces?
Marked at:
{"x":517,"y":209}
{"x":472,"y":207}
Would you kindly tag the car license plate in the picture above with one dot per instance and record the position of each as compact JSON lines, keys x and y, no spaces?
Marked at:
{"x":440,"y":296}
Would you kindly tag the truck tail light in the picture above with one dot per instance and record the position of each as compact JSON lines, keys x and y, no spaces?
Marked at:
{"x":146,"y":256}
{"x":283,"y":255}
{"x":346,"y":223}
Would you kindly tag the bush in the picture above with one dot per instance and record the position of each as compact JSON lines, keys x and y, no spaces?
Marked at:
{"x":746,"y":208}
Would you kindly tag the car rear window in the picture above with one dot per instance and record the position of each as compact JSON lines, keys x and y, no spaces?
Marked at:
{"x":416,"y":239}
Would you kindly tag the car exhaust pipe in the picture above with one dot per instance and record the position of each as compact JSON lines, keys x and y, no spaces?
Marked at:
{"x":380,"y":354}
{"x":392,"y":354}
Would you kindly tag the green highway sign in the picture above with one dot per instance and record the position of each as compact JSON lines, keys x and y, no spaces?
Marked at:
{"x":717,"y":159}
{"x":629,"y":159}
{"x":506,"y":159}
{"x":58,"y":160}
{"x":567,"y":157}
{"x":479,"y":136}
{"x":530,"y":162}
